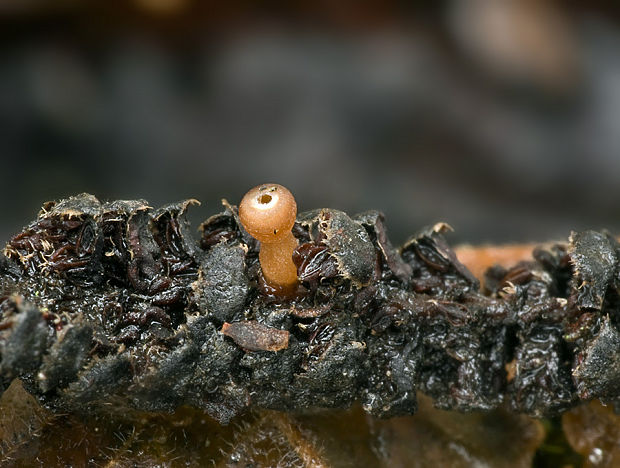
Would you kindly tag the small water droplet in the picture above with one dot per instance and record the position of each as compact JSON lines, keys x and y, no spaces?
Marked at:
{"x":596,"y":456}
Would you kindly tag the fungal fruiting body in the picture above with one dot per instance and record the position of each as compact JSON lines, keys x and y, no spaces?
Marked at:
{"x":268,"y":213}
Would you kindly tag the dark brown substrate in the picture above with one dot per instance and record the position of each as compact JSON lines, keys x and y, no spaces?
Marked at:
{"x":114,"y":306}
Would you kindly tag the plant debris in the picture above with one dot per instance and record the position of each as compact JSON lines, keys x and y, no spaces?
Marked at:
{"x":254,"y":336}
{"x":32,"y":436}
{"x":115,"y":305}
{"x":593,"y":431}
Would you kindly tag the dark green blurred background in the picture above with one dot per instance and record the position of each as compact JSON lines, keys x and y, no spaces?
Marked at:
{"x":500,"y":117}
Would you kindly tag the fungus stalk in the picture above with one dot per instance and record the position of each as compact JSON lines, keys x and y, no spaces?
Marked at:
{"x":268,"y":213}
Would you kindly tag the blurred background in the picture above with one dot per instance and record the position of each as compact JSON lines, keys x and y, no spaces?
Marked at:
{"x":500,"y":117}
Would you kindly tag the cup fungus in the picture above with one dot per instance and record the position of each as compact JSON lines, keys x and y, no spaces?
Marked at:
{"x":268,"y":213}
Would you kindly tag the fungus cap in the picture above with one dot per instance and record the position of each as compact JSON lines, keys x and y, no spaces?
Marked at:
{"x":268,"y":212}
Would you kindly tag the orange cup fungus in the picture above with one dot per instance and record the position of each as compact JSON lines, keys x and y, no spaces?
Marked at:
{"x":268,"y":213}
